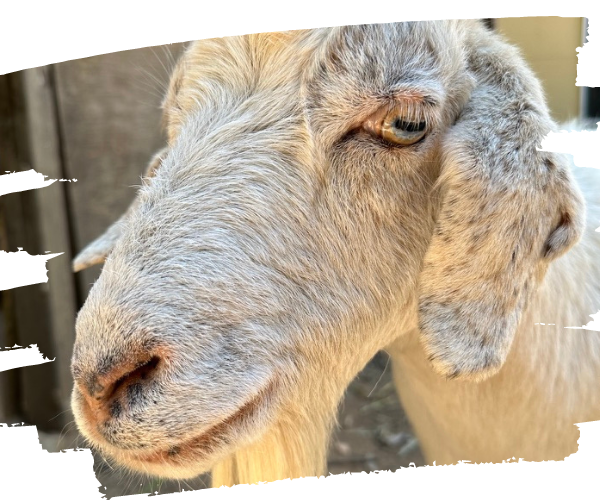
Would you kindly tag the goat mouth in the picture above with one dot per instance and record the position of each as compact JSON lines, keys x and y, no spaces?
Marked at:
{"x":204,"y":447}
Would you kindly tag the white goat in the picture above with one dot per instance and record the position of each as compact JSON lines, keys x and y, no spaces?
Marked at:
{"x":325,"y":194}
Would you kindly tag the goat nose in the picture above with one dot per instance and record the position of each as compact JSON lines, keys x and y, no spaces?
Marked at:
{"x":115,"y":380}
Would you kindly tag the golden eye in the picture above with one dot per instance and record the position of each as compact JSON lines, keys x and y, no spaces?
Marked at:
{"x":396,"y":127}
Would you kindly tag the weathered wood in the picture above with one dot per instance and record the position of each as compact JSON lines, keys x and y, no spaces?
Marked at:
{"x":9,"y":381}
{"x":45,"y":157}
{"x":28,"y":311}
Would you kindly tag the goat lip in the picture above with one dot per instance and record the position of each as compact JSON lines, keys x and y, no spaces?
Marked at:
{"x":212,"y":439}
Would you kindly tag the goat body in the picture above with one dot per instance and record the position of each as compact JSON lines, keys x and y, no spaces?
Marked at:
{"x":323,"y":195}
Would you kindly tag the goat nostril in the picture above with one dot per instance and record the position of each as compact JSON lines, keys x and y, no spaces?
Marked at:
{"x":134,"y":378}
{"x":129,"y":376}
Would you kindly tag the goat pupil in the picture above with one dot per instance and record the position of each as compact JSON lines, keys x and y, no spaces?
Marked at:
{"x":409,"y":126}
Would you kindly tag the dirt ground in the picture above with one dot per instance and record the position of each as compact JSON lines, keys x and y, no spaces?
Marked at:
{"x":373,"y":434}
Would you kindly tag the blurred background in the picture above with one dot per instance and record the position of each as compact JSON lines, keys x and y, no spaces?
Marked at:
{"x":98,"y":120}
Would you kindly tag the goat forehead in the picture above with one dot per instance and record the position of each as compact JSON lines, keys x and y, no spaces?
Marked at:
{"x":392,"y":50}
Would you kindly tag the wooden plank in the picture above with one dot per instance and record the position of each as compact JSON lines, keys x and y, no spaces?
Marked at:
{"x":8,"y":379}
{"x":27,"y":310}
{"x":45,"y":157}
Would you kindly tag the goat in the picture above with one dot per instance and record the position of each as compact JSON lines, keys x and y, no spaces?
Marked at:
{"x":323,"y":195}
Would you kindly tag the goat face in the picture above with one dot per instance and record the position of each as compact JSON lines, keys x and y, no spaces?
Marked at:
{"x":316,"y":189}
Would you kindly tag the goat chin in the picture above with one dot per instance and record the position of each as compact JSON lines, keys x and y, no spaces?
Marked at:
{"x":323,"y":195}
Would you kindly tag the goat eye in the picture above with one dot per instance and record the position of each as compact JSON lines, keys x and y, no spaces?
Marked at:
{"x":404,"y":133}
{"x":395,"y":127}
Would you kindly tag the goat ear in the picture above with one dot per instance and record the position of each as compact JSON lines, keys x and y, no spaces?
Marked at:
{"x":97,"y":251}
{"x":506,"y":209}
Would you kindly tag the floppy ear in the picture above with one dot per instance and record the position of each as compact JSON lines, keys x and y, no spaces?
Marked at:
{"x":506,"y":211}
{"x":97,"y":251}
